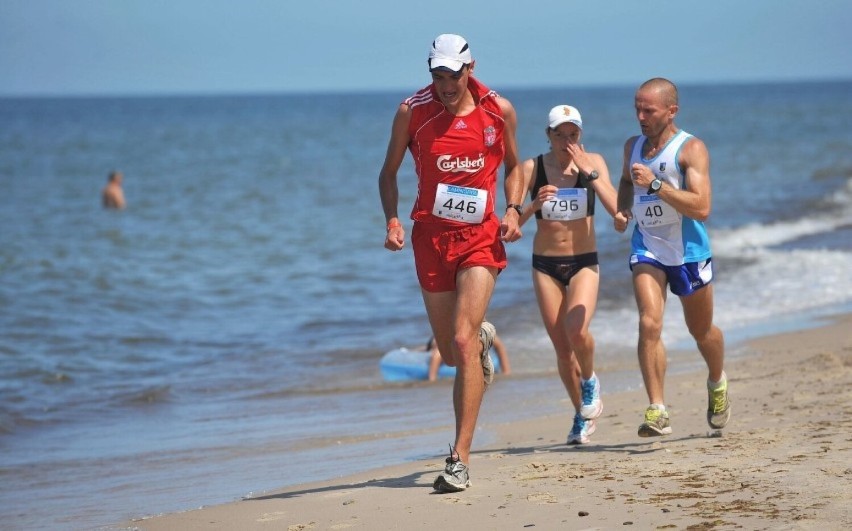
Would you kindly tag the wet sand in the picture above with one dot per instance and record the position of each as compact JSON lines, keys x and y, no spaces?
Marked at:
{"x":783,"y":462}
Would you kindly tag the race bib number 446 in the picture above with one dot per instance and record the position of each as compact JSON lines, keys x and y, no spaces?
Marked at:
{"x":460,"y":204}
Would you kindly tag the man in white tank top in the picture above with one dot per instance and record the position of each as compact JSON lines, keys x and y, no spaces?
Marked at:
{"x":665,"y":188}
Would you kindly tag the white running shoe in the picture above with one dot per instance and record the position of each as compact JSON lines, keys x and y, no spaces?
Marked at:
{"x":592,"y":406}
{"x":581,"y":430}
{"x":454,"y":478}
{"x":486,"y":337}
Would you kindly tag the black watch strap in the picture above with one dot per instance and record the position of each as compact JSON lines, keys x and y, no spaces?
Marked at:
{"x":517,"y":208}
{"x":654,"y":189}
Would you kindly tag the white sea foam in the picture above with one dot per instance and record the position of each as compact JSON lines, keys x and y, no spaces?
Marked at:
{"x":781,"y":279}
{"x":778,"y":286}
{"x":775,"y":283}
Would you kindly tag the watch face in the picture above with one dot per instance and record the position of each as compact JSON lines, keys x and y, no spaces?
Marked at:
{"x":594,"y":175}
{"x":656,"y":184}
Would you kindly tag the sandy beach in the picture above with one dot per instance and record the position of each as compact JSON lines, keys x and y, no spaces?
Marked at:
{"x":783,"y":462}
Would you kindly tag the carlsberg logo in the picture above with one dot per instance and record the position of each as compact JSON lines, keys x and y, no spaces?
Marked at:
{"x":466,"y":164}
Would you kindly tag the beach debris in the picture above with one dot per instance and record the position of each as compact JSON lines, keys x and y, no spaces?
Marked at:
{"x":272,"y":517}
{"x":542,"y":497}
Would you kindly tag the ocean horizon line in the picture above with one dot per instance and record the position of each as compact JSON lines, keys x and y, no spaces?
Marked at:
{"x":406,"y":89}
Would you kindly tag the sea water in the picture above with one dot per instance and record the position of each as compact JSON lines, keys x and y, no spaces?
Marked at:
{"x":221,"y":336}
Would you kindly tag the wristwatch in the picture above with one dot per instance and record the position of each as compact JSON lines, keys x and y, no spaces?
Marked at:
{"x":517,"y":208}
{"x":656,"y":184}
{"x":592,"y":175}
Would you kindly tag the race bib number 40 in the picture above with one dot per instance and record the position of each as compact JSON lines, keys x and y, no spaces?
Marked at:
{"x":460,"y":204}
{"x":569,"y":204}
{"x":651,"y":211}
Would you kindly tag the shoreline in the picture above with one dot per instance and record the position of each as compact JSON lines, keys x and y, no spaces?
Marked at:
{"x":783,"y":461}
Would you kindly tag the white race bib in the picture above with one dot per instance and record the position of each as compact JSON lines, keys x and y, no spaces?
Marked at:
{"x":651,"y":211}
{"x":459,"y":203}
{"x":569,"y":204}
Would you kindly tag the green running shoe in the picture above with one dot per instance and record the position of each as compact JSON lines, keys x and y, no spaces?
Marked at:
{"x":656,"y":423}
{"x":718,"y":405}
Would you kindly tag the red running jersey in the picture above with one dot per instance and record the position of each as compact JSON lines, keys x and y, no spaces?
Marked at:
{"x":454,"y":150}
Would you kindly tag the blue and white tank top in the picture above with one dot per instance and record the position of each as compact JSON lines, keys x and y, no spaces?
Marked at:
{"x":661,"y":232}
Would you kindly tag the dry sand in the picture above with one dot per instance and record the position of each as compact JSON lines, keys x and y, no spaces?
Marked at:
{"x":783,"y":462}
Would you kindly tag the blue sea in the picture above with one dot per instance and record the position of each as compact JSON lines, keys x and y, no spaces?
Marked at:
{"x":221,"y":336}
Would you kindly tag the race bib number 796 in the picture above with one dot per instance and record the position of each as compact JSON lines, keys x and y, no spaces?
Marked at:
{"x":568,"y":204}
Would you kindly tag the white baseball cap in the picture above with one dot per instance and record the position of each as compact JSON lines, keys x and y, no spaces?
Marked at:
{"x":450,"y":52}
{"x":564,"y":114}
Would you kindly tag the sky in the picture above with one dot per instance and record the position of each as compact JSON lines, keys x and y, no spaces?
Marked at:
{"x":162,"y":47}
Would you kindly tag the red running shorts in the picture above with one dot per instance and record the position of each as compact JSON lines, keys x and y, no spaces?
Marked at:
{"x":440,"y":253}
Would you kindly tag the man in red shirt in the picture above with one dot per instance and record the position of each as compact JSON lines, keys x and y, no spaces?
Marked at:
{"x":459,"y":132}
